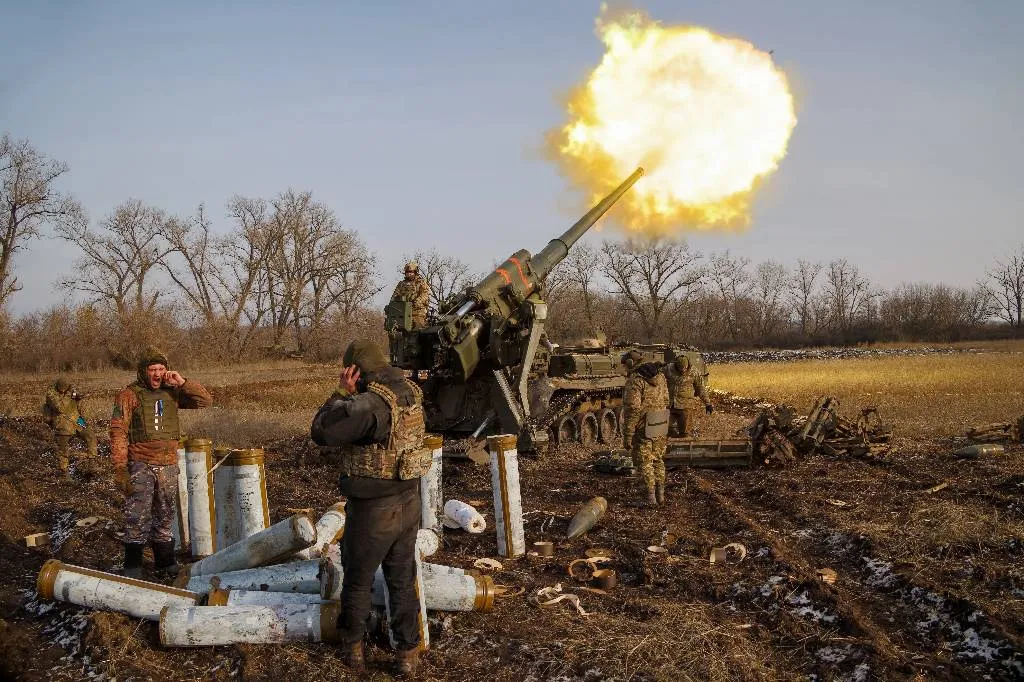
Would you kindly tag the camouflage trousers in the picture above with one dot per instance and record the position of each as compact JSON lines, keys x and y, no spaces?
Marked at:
{"x":684,"y":422}
{"x":63,"y":440}
{"x":649,"y":457}
{"x":149,"y":510}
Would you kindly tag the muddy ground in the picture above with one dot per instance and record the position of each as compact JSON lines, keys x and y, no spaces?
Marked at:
{"x":930,"y":585}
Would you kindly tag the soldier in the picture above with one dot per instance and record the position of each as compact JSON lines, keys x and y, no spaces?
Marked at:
{"x":645,"y":422}
{"x":64,"y":415}
{"x":414,"y":288}
{"x":144,"y":434}
{"x":686,"y":388}
{"x":376,"y":418}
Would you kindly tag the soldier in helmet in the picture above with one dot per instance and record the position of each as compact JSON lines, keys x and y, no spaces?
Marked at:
{"x":415,"y":289}
{"x":645,"y":422}
{"x":686,"y":392}
{"x":64,"y":415}
{"x":144,"y":433}
{"x":376,"y":418}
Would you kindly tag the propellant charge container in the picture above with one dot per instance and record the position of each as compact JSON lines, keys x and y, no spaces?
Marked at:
{"x":587,"y":517}
{"x":444,"y":591}
{"x":329,"y":530}
{"x":427,"y":542}
{"x":107,"y":591}
{"x":272,"y":544}
{"x":294,"y":576}
{"x":431,"y":500}
{"x":231,"y":597}
{"x":240,"y":494}
{"x":221,"y":625}
{"x":180,"y":523}
{"x":508,"y":506}
{"x":458,"y":514}
{"x":201,"y":507}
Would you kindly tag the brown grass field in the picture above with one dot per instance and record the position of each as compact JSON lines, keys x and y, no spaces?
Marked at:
{"x":930,"y":587}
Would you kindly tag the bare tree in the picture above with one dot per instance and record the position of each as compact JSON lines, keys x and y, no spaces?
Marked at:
{"x":846,"y":293}
{"x":654,"y":277}
{"x":802,"y":291}
{"x":1006,"y":286}
{"x":730,"y":278}
{"x":118,"y":259}
{"x":29,"y":200}
{"x":576,"y":274}
{"x":766,"y":291}
{"x":446,"y":276}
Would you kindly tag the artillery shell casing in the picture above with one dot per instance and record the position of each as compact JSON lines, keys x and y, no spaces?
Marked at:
{"x":422,"y":615}
{"x":221,"y":625}
{"x":261,"y":598}
{"x":508,"y":506}
{"x":295,"y":576}
{"x":200,"y":497}
{"x":431,"y":500}
{"x":107,"y":591}
{"x":265,"y":547}
{"x":180,"y":524}
{"x":329,"y":530}
{"x":445,"y":591}
{"x":240,"y":495}
{"x":427,"y":542}
{"x":464,"y":516}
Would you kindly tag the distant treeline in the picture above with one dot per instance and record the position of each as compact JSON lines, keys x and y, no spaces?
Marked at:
{"x":285,"y":279}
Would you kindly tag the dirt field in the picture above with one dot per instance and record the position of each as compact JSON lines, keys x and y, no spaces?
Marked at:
{"x":930,"y":585}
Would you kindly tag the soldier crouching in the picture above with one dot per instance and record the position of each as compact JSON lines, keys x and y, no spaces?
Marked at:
{"x":144,"y":433}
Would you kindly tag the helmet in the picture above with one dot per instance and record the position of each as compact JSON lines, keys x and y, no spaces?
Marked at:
{"x":682,"y":363}
{"x":412,"y":266}
{"x":632,"y":358}
{"x":62,"y":385}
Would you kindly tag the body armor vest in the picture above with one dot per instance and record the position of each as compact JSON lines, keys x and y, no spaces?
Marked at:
{"x":404,"y":458}
{"x":155,"y":417}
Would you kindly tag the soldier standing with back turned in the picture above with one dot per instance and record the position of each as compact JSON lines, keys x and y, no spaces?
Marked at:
{"x":64,"y":414}
{"x":645,"y":422}
{"x":686,"y":391}
{"x":376,"y":418}
{"x":144,"y":434}
{"x":415,"y":289}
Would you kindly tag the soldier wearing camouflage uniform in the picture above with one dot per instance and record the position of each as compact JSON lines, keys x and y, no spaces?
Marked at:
{"x":686,"y":391}
{"x":64,"y":415}
{"x":144,"y":433}
{"x":414,"y":288}
{"x":376,"y":419}
{"x":645,"y":422}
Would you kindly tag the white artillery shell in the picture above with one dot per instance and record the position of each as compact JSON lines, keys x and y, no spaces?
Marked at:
{"x":265,"y":547}
{"x":221,"y":625}
{"x":200,"y":496}
{"x":508,"y":505}
{"x":296,"y":576}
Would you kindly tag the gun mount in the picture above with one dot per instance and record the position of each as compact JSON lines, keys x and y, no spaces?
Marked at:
{"x":490,"y":338}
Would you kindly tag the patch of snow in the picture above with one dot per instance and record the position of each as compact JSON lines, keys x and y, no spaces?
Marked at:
{"x":882,"y":575}
{"x":834,"y":654}
{"x":803,"y":607}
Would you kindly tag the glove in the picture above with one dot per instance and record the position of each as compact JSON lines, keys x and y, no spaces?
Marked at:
{"x":122,"y":480}
{"x":709,"y":408}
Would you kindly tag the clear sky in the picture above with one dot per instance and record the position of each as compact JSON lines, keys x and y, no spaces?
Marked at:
{"x":420,"y":123}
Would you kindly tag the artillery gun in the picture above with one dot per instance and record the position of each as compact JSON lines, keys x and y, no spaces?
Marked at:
{"x":486,"y":367}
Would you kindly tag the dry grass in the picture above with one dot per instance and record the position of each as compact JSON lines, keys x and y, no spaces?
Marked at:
{"x":923,"y":395}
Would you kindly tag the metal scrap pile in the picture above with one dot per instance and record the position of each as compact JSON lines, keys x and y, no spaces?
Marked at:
{"x":780,"y":435}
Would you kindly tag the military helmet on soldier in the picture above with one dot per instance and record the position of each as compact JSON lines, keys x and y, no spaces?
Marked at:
{"x":632,"y":358}
{"x":411,"y":266}
{"x":682,"y":363}
{"x":62,"y":385}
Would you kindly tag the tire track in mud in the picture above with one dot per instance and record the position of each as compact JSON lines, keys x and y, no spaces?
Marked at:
{"x":884,"y":591}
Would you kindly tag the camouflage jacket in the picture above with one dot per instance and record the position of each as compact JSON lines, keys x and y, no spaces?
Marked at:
{"x":415,"y":290}
{"x":189,"y":396}
{"x":683,"y":387}
{"x":61,"y":411}
{"x":646,"y":389}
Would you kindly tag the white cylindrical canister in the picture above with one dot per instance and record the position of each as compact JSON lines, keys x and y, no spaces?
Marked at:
{"x":458,"y":514}
{"x":444,"y":591}
{"x":240,"y":491}
{"x":107,"y":591}
{"x":180,"y":525}
{"x":295,"y":576}
{"x":431,"y":502}
{"x":200,"y":496}
{"x":329,"y":530}
{"x":427,"y":542}
{"x":260,"y":598}
{"x":221,"y":625}
{"x":265,"y":547}
{"x":420,"y":594}
{"x":508,"y":505}
{"x":430,"y":570}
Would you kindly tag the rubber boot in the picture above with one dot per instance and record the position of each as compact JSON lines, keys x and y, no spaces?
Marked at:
{"x":164,"y":563}
{"x":354,"y":658}
{"x":659,"y":493}
{"x":407,"y":663}
{"x":132,"y":560}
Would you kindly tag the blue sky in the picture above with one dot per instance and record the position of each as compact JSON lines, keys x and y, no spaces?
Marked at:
{"x":420,"y":124}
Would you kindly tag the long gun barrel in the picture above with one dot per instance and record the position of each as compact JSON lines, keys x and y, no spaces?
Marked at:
{"x":557,"y":249}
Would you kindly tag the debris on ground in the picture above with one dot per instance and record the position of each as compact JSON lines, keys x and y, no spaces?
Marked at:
{"x":1002,"y":431}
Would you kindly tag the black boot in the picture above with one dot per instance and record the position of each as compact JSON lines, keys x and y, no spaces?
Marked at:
{"x":132,"y":560}
{"x":163,"y":559}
